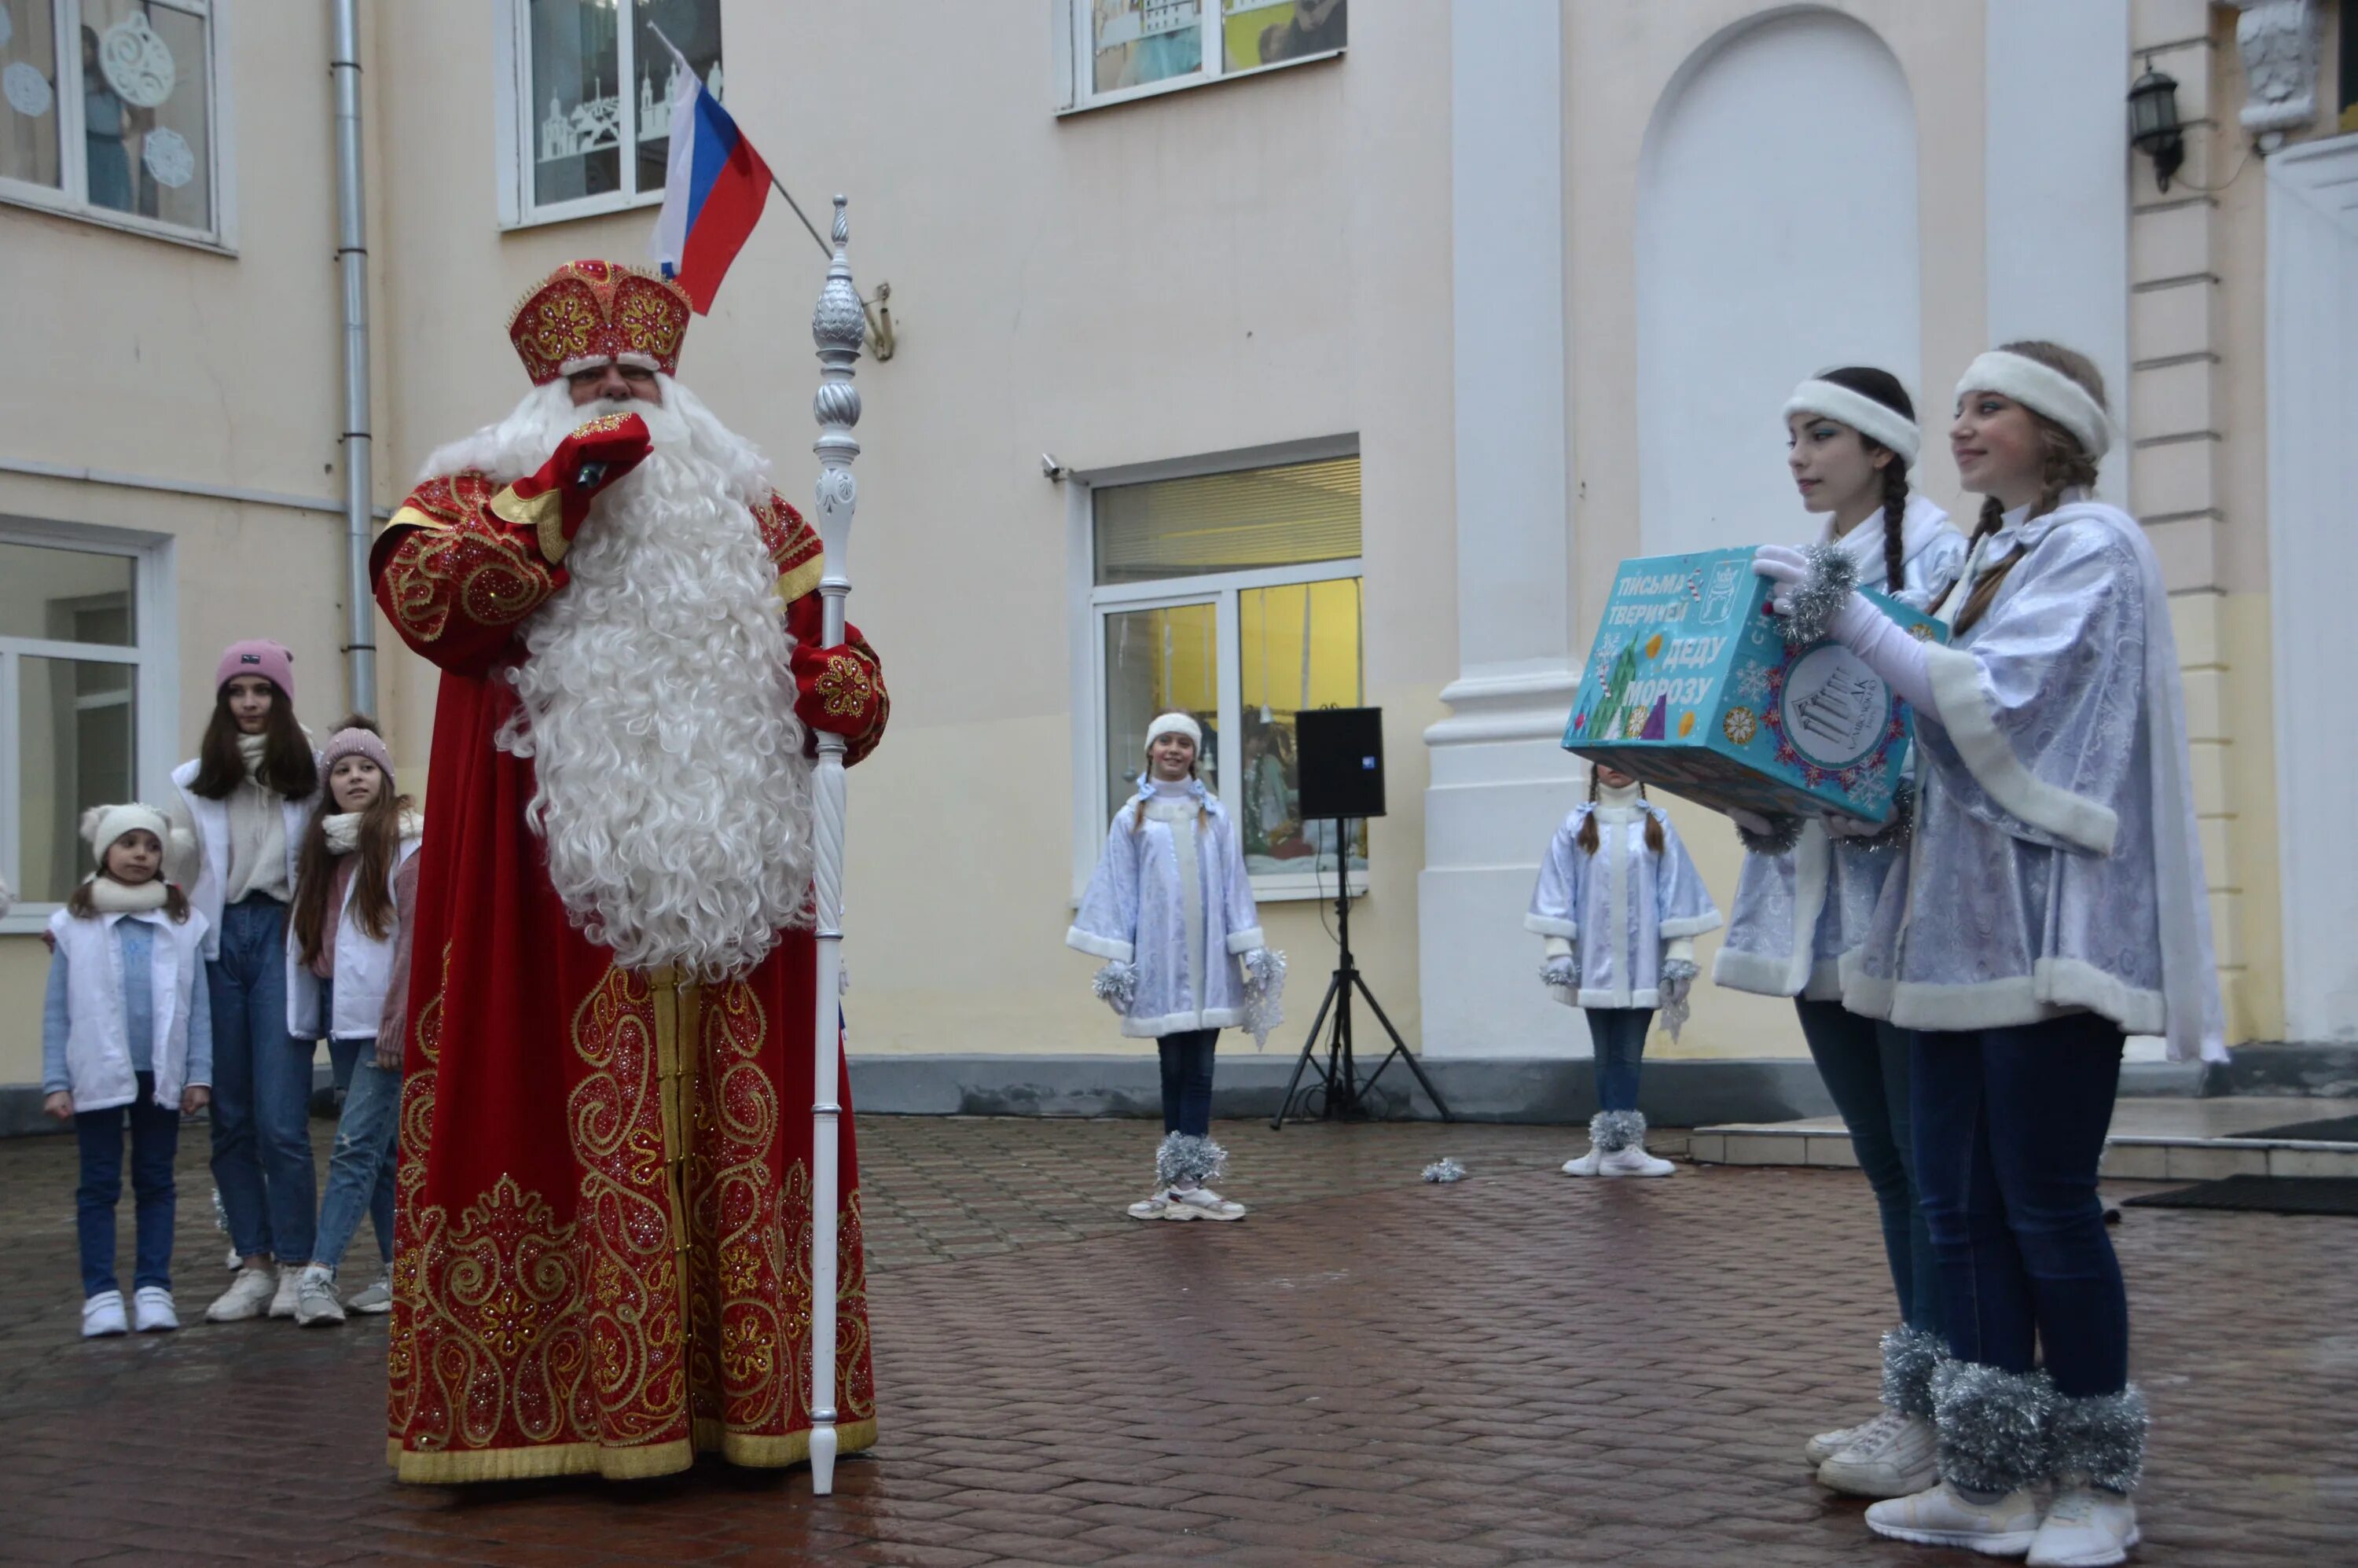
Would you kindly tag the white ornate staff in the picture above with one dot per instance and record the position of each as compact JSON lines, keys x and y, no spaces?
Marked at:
{"x":838,"y":327}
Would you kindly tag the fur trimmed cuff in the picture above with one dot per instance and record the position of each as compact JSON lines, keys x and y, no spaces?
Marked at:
{"x":1909,"y":1356}
{"x":2101,"y":1438}
{"x":1610,"y":1132}
{"x":1811,"y":607}
{"x":1784,"y":833}
{"x":1899,"y":829}
{"x":1993,"y":1426}
{"x":1184,"y":1160}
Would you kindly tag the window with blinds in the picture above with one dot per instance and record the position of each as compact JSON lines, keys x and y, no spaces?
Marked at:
{"x":1254,"y":518}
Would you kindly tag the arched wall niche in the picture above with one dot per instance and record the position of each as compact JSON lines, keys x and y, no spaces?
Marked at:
{"x":1777,"y":236}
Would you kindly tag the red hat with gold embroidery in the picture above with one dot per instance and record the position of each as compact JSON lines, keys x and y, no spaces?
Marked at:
{"x":589,"y":312}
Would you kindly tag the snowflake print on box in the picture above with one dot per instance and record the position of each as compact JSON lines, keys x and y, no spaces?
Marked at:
{"x":1691,"y":687}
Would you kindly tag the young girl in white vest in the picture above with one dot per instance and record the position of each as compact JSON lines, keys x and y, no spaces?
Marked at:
{"x":243,"y":803}
{"x":2051,"y":903}
{"x":1170,"y":909}
{"x":1809,"y":887}
{"x":339,"y":948}
{"x":1618,"y":906}
{"x":125,"y":1035}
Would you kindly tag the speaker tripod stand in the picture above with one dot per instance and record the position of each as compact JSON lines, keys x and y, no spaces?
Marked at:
{"x":1334,"y":1082}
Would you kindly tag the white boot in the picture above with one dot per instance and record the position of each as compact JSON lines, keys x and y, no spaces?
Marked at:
{"x":101,"y":1316}
{"x":2086,"y":1527}
{"x":1942,"y":1516}
{"x":1890,"y":1456}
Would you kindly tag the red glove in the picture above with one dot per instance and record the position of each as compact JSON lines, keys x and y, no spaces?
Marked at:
{"x":554,"y":501}
{"x":839,"y":690}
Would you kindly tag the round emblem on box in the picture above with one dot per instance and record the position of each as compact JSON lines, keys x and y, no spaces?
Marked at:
{"x":1834,"y":709}
{"x":1740,"y":725}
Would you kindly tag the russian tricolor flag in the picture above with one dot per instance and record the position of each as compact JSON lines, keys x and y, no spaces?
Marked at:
{"x":713,"y":192}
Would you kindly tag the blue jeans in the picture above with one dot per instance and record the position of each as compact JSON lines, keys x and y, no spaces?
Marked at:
{"x":341,"y":1053}
{"x":2009,"y":1126}
{"x":360,"y":1172}
{"x":154,"y":1140}
{"x":262,"y":1089}
{"x":1865,"y":1064}
{"x":1188,"y":1081}
{"x":1618,"y":1036}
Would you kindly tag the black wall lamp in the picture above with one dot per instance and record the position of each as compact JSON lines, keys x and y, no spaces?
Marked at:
{"x":2153,"y":123}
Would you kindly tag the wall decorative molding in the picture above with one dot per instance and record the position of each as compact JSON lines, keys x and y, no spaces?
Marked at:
{"x":2283,"y":44}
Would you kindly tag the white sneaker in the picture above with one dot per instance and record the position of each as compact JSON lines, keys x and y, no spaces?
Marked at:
{"x":1151,"y":1206}
{"x":376,"y":1296}
{"x":153,"y":1310}
{"x":314,"y":1297}
{"x":1201,"y":1202}
{"x":101,"y":1316}
{"x":1826,"y":1444}
{"x":1585,"y":1166}
{"x":1941,"y":1517}
{"x":1633,"y":1161}
{"x":233,"y":1260}
{"x":290,"y":1288}
{"x":1890,"y":1456}
{"x":2086,"y":1527}
{"x":247,"y":1296}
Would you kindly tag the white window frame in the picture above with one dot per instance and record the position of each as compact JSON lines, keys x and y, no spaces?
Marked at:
{"x":1075,"y":56}
{"x":518,"y":124}
{"x":70,"y":199}
{"x":153,"y":654}
{"x":1092,"y":603}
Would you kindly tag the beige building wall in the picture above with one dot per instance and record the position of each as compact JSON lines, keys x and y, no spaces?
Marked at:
{"x":1211,"y":271}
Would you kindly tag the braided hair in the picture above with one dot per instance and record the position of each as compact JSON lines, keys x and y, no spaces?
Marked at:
{"x":1586,"y":838}
{"x":2064,"y":464}
{"x":1883,"y":388}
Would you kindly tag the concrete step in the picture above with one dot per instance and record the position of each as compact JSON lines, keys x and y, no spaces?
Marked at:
{"x":2172,"y":1139}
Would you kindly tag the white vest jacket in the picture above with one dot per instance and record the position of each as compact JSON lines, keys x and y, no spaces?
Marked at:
{"x":98,"y":1050}
{"x":363,"y":970}
{"x":211,"y":820}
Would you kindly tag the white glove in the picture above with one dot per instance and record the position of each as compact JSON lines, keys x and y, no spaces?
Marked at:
{"x":1751,"y":822}
{"x":1851,"y":826}
{"x":1784,"y":566}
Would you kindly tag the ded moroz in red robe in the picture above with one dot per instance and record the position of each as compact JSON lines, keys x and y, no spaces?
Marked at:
{"x":603,"y":1224}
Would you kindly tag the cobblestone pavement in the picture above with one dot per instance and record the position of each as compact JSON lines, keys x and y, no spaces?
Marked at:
{"x":1516,"y":1368}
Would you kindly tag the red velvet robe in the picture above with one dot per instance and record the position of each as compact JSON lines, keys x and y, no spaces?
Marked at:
{"x":603,"y":1223}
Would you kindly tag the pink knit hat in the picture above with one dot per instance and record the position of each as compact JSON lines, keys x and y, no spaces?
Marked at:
{"x":357,"y":743}
{"x":275,"y":662}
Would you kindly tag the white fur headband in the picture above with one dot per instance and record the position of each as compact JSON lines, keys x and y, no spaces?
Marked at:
{"x":1886,"y":427}
{"x":2042,"y":390}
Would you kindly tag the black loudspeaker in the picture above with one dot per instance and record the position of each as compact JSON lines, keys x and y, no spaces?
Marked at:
{"x":1341,"y":752}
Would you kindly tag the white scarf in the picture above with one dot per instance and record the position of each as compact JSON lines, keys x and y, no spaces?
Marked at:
{"x":251,"y":748}
{"x":111,"y":897}
{"x":344,"y":830}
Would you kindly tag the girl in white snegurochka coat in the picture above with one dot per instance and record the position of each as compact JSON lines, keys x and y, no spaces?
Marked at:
{"x":1169,"y":908}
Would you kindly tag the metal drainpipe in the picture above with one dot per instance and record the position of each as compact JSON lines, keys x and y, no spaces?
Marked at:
{"x":352,"y":256}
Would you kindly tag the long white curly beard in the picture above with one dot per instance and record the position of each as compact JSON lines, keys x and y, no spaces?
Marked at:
{"x":657,"y":704}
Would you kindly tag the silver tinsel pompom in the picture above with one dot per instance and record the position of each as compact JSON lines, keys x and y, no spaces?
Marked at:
{"x":1993,"y":1425}
{"x":1677,"y":987}
{"x":1562,"y":971}
{"x":1784,"y":833}
{"x":1184,"y":1160}
{"x":1445,"y":1171}
{"x":221,"y":1213}
{"x":1116,"y":985}
{"x":1264,"y":993}
{"x":2101,"y":1438}
{"x":1810,"y":606}
{"x":1909,"y":1356}
{"x":1611,"y":1130}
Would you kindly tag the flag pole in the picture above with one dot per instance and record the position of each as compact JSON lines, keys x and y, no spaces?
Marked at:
{"x":839,"y":326}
